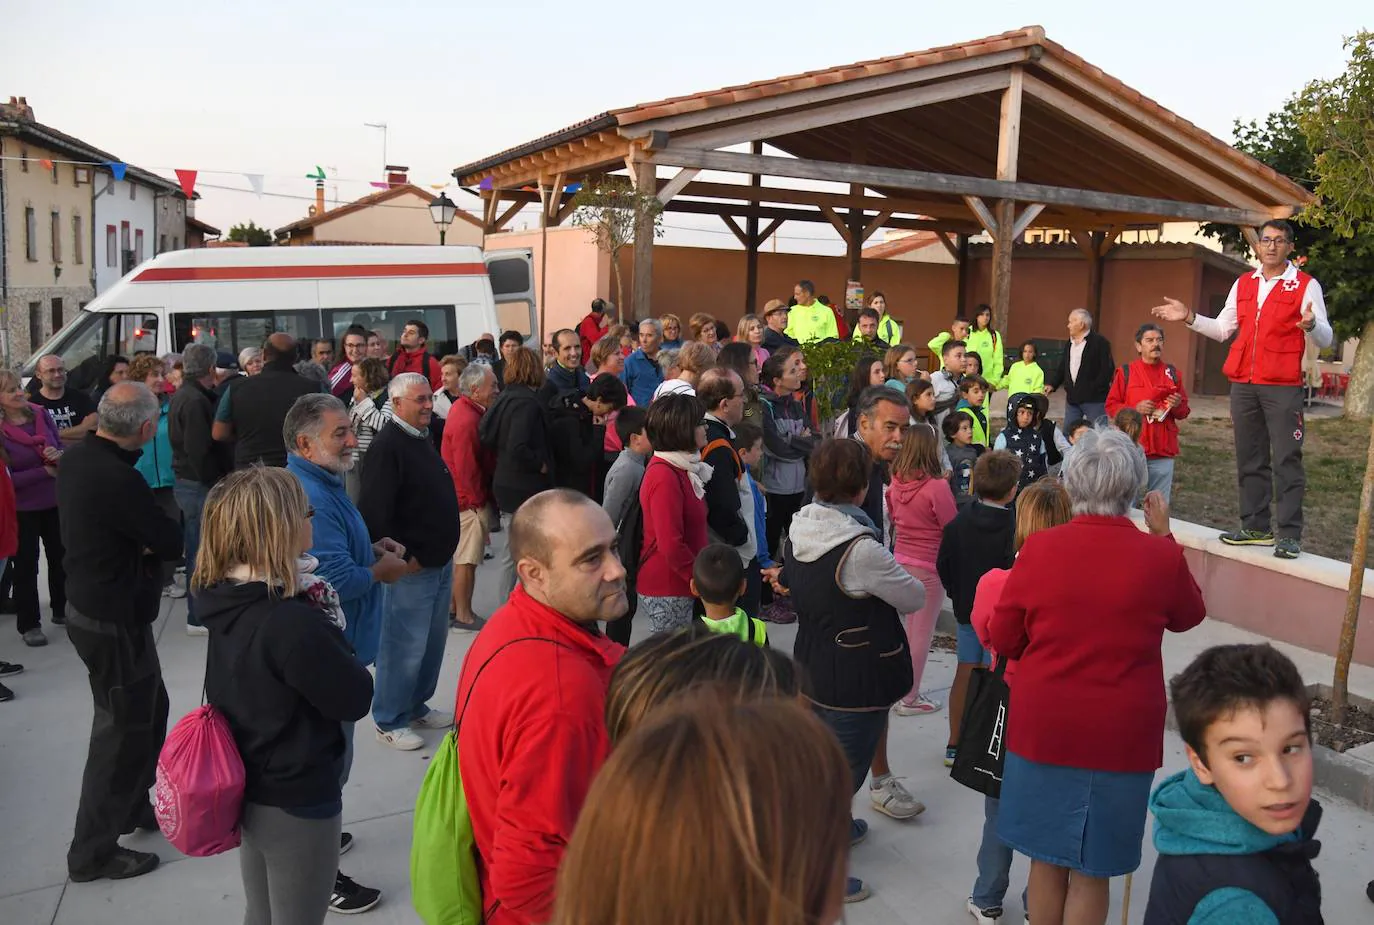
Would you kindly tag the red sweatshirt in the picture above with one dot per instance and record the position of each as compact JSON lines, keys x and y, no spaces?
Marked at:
{"x":531,"y":738}
{"x":470,"y":463}
{"x":9,"y":517}
{"x":674,"y":530}
{"x":419,"y":361}
{"x":1089,"y":689}
{"x":1151,"y":382}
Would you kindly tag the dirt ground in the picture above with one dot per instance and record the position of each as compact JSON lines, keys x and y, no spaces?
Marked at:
{"x":1334,"y":455}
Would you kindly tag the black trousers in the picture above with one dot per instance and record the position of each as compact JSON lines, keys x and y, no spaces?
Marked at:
{"x":126,"y":734}
{"x":36,"y":527}
{"x":1268,"y":430}
{"x":779,"y":516}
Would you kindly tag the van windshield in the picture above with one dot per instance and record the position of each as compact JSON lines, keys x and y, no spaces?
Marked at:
{"x":92,"y":337}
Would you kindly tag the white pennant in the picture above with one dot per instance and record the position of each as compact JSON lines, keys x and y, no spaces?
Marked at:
{"x":255,"y":181}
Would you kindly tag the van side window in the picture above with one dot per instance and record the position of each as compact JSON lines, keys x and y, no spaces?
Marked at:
{"x":235,"y":331}
{"x":440,"y":319}
{"x":93,"y":336}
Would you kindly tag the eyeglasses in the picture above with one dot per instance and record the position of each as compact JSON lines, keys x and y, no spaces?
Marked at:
{"x":309,"y":513}
{"x":1273,"y":242}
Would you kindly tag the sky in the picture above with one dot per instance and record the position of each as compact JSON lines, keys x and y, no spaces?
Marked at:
{"x":278,"y":88}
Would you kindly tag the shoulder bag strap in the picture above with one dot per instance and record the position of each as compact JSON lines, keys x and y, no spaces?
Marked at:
{"x":458,"y":714}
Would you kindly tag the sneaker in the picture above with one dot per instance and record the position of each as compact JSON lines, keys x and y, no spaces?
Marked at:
{"x":351,"y":898}
{"x":193,"y":630}
{"x":1369,"y":891}
{"x":1287,"y":547}
{"x":10,"y":668}
{"x":855,"y":890}
{"x":403,"y":739}
{"x":858,"y":831}
{"x":6,"y":694}
{"x":1247,"y":538}
{"x":779,"y":613}
{"x":921,"y":706}
{"x":345,"y":842}
{"x":890,"y":798}
{"x":458,"y":626}
{"x":34,"y":638}
{"x":434,"y":719}
{"x":949,"y":756}
{"x":984,"y":916}
{"x":144,"y":819}
{"x":122,"y":865}
{"x":175,"y":591}
{"x":59,"y":618}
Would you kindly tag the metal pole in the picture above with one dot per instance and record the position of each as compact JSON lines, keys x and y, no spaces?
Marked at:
{"x":441,"y":236}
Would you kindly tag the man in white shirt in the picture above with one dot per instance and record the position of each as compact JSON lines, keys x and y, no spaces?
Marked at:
{"x":1274,"y":309}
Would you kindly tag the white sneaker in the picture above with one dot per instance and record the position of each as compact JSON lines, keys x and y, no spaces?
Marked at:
{"x":984,"y":916}
{"x":196,"y":630}
{"x":922,"y":706}
{"x":892,"y":799}
{"x":434,"y":719}
{"x":402,"y":739}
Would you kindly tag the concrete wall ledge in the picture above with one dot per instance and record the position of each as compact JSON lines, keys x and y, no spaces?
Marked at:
{"x":1300,"y":601}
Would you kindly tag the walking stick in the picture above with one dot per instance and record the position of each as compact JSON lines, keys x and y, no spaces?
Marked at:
{"x":1126,"y":900}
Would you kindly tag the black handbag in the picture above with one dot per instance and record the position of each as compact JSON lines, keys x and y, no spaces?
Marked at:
{"x":980,"y":755}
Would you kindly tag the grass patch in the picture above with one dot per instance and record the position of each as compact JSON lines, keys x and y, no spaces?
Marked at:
{"x":1333,"y":453}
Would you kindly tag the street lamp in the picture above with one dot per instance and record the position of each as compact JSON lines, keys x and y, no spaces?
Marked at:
{"x":442,"y":210}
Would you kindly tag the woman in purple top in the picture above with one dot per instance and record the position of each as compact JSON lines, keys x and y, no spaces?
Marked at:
{"x":31,"y":442}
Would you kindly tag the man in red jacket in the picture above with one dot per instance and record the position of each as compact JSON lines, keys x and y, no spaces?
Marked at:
{"x":412,"y":356}
{"x":1274,"y":309}
{"x":1152,"y":387}
{"x":591,"y":328}
{"x":472,"y":466}
{"x":531,"y":698}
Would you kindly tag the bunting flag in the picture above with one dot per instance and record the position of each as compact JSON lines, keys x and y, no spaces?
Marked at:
{"x":317,"y":175}
{"x":486,"y":184}
{"x":187,"y":179}
{"x":377,"y":184}
{"x":45,"y":163}
{"x":572,"y":187}
{"x":438,"y":186}
{"x":117,"y":168}
{"x":255,"y":181}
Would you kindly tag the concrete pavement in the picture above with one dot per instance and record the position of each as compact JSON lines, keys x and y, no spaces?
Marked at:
{"x":920,"y":871}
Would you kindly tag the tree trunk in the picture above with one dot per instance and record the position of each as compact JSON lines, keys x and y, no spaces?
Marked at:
{"x":1359,"y":396}
{"x":1345,"y":650}
{"x":619,"y":290}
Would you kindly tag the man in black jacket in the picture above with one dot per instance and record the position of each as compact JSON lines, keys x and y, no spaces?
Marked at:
{"x":1085,"y":371}
{"x":408,"y":494}
{"x":566,"y":373}
{"x":117,"y":538}
{"x":729,"y":501}
{"x":198,"y":460}
{"x":254,"y":407}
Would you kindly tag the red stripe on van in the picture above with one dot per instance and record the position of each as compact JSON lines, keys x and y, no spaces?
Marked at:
{"x":354,"y":271}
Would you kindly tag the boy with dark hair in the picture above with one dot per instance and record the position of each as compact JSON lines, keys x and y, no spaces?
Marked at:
{"x":973,"y":391}
{"x":962,"y":453}
{"x":625,"y":474}
{"x":718,"y":581}
{"x":1235,"y":830}
{"x":977,"y":540}
{"x":946,"y":378}
{"x":749,"y":443}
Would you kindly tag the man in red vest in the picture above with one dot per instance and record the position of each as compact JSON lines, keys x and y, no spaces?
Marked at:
{"x":591,"y":328}
{"x":1271,"y":311}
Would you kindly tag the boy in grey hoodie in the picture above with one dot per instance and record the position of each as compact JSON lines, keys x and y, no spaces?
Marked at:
{"x":625,"y":474}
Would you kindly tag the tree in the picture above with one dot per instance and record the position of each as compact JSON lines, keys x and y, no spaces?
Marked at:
{"x":611,"y":209}
{"x":250,"y":234}
{"x":1337,"y":120}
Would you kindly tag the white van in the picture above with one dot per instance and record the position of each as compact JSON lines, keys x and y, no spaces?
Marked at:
{"x":234,"y":297}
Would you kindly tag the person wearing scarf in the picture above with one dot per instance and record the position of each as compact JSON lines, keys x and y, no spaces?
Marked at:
{"x":672,"y":497}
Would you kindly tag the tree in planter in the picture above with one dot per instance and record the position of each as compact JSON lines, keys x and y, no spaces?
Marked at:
{"x":611,"y":209}
{"x":828,"y":366}
{"x":250,"y":234}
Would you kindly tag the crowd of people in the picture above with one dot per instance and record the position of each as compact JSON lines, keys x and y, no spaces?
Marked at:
{"x":331,"y":518}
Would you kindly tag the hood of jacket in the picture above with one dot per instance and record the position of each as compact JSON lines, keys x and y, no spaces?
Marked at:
{"x":222,"y":606}
{"x":815,"y":530}
{"x":511,"y":395}
{"x":905,"y":492}
{"x":1194,"y":818}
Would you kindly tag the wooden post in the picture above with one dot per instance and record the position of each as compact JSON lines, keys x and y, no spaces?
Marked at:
{"x":645,"y":185}
{"x":1008,"y":150}
{"x":859,"y":151}
{"x":1345,"y":649}
{"x":751,"y":249}
{"x":962,"y":297}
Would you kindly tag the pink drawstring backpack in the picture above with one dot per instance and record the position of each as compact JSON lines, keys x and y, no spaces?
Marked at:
{"x":199,"y":791}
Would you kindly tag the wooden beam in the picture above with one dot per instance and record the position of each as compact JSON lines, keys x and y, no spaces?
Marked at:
{"x":874,"y":225}
{"x":737,"y":230}
{"x":1251,"y":237}
{"x":490,"y":200}
{"x":1083,"y":237}
{"x":751,"y":248}
{"x":952,"y":184}
{"x":643,"y":174}
{"x":1002,"y":249}
{"x":984,"y":215}
{"x":961,"y":294}
{"x":674,"y":186}
{"x":507,"y":215}
{"x":834,"y":218}
{"x":948,"y":245}
{"x":553,"y":199}
{"x":1009,"y":131}
{"x":1108,"y":240}
{"x":694,"y":207}
{"x":796,"y":121}
{"x":565,"y":210}
{"x":768,"y":229}
{"x":1028,"y":215}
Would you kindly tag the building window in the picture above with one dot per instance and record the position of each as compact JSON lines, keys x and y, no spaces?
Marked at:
{"x":54,"y":174}
{"x":124,"y":243}
{"x":111,"y":247}
{"x":35,"y":324}
{"x":78,"y":245}
{"x":162,"y":244}
{"x":176,"y":243}
{"x":30,"y":234}
{"x":56,"y":233}
{"x":138,"y":247}
{"x":24,"y":159}
{"x":57,"y":314}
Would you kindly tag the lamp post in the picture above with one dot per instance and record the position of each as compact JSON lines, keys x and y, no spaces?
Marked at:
{"x":442,"y":209}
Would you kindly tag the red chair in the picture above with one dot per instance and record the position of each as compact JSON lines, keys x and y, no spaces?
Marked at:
{"x":1328,"y":386}
{"x":1342,"y":384}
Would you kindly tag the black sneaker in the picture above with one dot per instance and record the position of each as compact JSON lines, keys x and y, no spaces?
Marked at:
{"x":59,"y":618}
{"x":345,"y":842}
{"x":122,"y":865}
{"x":350,"y":898}
{"x":1247,"y":538}
{"x":1287,"y":547}
{"x":143,"y":820}
{"x":9,"y":668}
{"x":6,"y":694}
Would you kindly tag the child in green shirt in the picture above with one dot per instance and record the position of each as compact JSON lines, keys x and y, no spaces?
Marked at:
{"x":1025,"y":376}
{"x":718,"y":580}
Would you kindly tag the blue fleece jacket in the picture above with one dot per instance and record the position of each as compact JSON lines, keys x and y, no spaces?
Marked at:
{"x":1194,"y":818}
{"x":344,"y":549}
{"x":155,"y":465}
{"x":760,"y":524}
{"x":641,"y":376}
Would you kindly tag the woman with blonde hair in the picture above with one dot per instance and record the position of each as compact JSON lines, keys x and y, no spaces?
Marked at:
{"x":672,"y":331}
{"x":692,"y":360}
{"x":899,"y":363}
{"x":281,"y":672}
{"x":750,"y":331}
{"x":644,"y":851}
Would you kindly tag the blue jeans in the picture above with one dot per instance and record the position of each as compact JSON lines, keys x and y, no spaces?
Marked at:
{"x":1091,"y":410}
{"x":994,"y":862}
{"x":1160,"y":475}
{"x":411,"y":649}
{"x":190,"y":497}
{"x":858,"y":733}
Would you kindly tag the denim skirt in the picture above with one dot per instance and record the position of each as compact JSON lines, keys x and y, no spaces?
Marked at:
{"x":1092,"y":822}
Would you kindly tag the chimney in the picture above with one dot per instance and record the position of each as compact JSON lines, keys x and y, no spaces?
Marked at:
{"x":17,"y":108}
{"x":396,"y":176}
{"x":319,"y":197}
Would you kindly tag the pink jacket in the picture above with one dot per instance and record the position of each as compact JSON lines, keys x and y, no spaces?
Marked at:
{"x":919,"y":509}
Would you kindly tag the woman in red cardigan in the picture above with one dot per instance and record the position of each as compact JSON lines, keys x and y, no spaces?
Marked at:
{"x":1089,"y":699}
{"x":672,"y":498}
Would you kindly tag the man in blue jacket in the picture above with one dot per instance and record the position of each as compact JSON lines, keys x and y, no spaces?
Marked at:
{"x":642,"y":374}
{"x":320,"y":444}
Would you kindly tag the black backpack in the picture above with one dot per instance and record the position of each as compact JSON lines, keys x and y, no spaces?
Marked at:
{"x":629,"y":545}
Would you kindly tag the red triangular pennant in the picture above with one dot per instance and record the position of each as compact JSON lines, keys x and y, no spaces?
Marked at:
{"x":187,"y":178}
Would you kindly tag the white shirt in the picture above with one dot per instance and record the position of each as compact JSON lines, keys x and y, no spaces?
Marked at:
{"x":672,"y":387}
{"x":1076,"y":356}
{"x":1225,"y":323}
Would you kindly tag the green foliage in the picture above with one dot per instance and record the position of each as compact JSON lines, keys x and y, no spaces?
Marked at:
{"x":1337,"y":119}
{"x":829,"y":364}
{"x":250,"y":234}
{"x":611,"y":209}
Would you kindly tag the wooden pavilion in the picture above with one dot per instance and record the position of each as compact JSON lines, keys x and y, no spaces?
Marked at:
{"x":990,"y":135}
